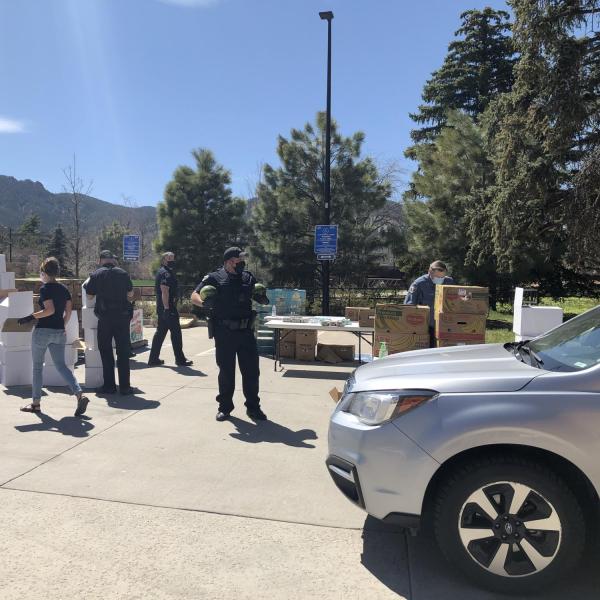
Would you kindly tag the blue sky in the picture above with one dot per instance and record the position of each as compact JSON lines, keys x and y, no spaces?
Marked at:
{"x":132,"y":86}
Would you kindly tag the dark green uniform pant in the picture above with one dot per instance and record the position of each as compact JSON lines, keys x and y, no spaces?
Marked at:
{"x":229,"y":344}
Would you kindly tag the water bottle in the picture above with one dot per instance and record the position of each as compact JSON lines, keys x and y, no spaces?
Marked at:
{"x":274,"y":311}
{"x":383,"y":351}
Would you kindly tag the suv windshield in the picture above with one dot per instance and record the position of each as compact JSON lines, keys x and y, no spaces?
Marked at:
{"x":573,"y":346}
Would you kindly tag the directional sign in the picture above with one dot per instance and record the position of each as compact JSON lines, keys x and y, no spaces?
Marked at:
{"x":131,"y":247}
{"x":326,"y":241}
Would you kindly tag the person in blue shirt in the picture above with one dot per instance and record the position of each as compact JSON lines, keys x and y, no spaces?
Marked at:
{"x":422,"y":291}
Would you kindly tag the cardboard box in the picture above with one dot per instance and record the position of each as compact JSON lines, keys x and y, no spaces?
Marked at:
{"x":89,"y":319}
{"x":366,"y":317}
{"x":400,"y":342}
{"x":305,"y":352}
{"x":7,"y":280}
{"x":94,"y":377}
{"x":17,"y":367}
{"x":16,"y":305}
{"x":461,"y":299}
{"x":401,"y":319}
{"x":90,"y":337}
{"x":335,"y":394}
{"x":449,"y":343}
{"x":462,"y":327}
{"x":288,"y":335}
{"x":5,"y":293}
{"x":2,"y":263}
{"x":306,"y":337}
{"x":353,"y":312}
{"x":50,"y":376}
{"x":72,"y":328}
{"x":92,"y":358}
{"x":287,"y":349}
{"x":345,"y":351}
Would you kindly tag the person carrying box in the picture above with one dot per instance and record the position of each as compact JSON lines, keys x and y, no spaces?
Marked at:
{"x":422,"y":291}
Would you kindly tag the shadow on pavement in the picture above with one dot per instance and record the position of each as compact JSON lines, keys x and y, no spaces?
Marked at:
{"x":306,"y":374}
{"x":189,"y":371}
{"x":129,"y":402}
{"x":270,"y":432}
{"x":73,"y":426}
{"x":415,"y":568}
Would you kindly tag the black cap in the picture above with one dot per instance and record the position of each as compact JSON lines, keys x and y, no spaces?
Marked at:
{"x":107,"y":254}
{"x":233,"y":252}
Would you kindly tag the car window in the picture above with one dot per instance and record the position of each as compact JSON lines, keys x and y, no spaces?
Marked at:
{"x":573,"y":346}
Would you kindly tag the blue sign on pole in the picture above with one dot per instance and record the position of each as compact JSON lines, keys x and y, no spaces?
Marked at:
{"x":131,"y":248}
{"x":326,"y":241}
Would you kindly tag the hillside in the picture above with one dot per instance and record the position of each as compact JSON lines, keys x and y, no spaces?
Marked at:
{"x":18,"y":199}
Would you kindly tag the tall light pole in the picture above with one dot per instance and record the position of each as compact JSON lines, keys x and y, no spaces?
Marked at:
{"x":327,"y":16}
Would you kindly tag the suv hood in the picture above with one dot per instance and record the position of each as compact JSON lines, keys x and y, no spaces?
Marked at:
{"x":481,"y":368}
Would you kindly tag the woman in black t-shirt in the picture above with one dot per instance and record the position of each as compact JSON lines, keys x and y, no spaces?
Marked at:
{"x":49,"y":334}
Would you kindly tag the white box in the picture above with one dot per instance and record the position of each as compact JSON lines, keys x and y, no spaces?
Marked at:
{"x":88,"y":319}
{"x":16,"y":339}
{"x":92,"y":358}
{"x":2,"y":263}
{"x":17,"y":367}
{"x":72,"y":328}
{"x":16,"y":305}
{"x":7,"y":281}
{"x":50,"y":376}
{"x":85,"y":301}
{"x":535,"y":320}
{"x":90,"y":337}
{"x":70,"y":357}
{"x":94,"y":377}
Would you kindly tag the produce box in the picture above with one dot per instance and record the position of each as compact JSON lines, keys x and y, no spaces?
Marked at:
{"x":461,"y":299}
{"x":305,"y":352}
{"x":287,"y":349}
{"x":345,"y":351}
{"x":366,"y":317}
{"x":449,"y":343}
{"x":400,"y":342}
{"x":306,"y":336}
{"x":288,"y":335}
{"x":353,"y":312}
{"x":401,"y":319}
{"x":462,"y":327}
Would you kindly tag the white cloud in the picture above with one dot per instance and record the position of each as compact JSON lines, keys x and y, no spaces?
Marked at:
{"x":191,"y":3}
{"x":11,"y":125}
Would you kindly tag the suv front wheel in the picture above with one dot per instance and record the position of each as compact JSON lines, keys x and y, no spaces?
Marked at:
{"x":511,"y":524}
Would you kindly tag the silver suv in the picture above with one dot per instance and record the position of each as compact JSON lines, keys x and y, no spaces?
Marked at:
{"x":498,"y":446}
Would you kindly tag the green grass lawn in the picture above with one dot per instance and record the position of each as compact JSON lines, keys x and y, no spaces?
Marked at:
{"x":499,"y":322}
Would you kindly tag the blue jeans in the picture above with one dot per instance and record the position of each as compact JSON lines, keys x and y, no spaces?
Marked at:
{"x":54,"y":340}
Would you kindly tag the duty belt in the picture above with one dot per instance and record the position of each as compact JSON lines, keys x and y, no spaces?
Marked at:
{"x":237,"y":323}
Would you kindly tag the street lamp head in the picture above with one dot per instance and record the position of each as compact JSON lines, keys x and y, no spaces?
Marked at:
{"x":326,"y":15}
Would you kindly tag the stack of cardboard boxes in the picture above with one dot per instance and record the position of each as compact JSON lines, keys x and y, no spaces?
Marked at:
{"x":298,"y":343}
{"x":15,"y":340}
{"x":402,"y":327}
{"x":93,"y":363}
{"x":362,"y":315}
{"x":460,"y":314}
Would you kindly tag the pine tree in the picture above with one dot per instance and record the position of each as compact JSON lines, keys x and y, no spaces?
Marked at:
{"x":199,"y":218}
{"x":477,"y":68}
{"x":290,"y":204}
{"x":542,"y":134}
{"x":59,"y":248}
{"x":29,"y":232}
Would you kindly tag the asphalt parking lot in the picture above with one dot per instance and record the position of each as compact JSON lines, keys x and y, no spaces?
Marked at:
{"x":149,"y":497}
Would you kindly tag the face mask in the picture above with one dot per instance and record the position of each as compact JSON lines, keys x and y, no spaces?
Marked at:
{"x":239,"y":268}
{"x":44,"y":278}
{"x":171,"y":264}
{"x":438,"y":280}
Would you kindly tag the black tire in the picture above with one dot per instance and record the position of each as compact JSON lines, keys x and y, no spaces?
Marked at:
{"x":513,"y":558}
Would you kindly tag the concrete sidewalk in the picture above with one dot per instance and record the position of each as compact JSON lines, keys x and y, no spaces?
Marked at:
{"x":149,"y":497}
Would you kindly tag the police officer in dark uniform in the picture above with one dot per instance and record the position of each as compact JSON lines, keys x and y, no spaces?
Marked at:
{"x":422,"y":291}
{"x":167,"y":296}
{"x":228,"y":294}
{"x":113,"y":289}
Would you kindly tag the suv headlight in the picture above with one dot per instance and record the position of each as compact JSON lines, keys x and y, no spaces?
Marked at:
{"x":375,"y":408}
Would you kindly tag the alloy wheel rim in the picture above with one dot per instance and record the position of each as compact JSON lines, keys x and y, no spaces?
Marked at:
{"x":510,"y":529}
